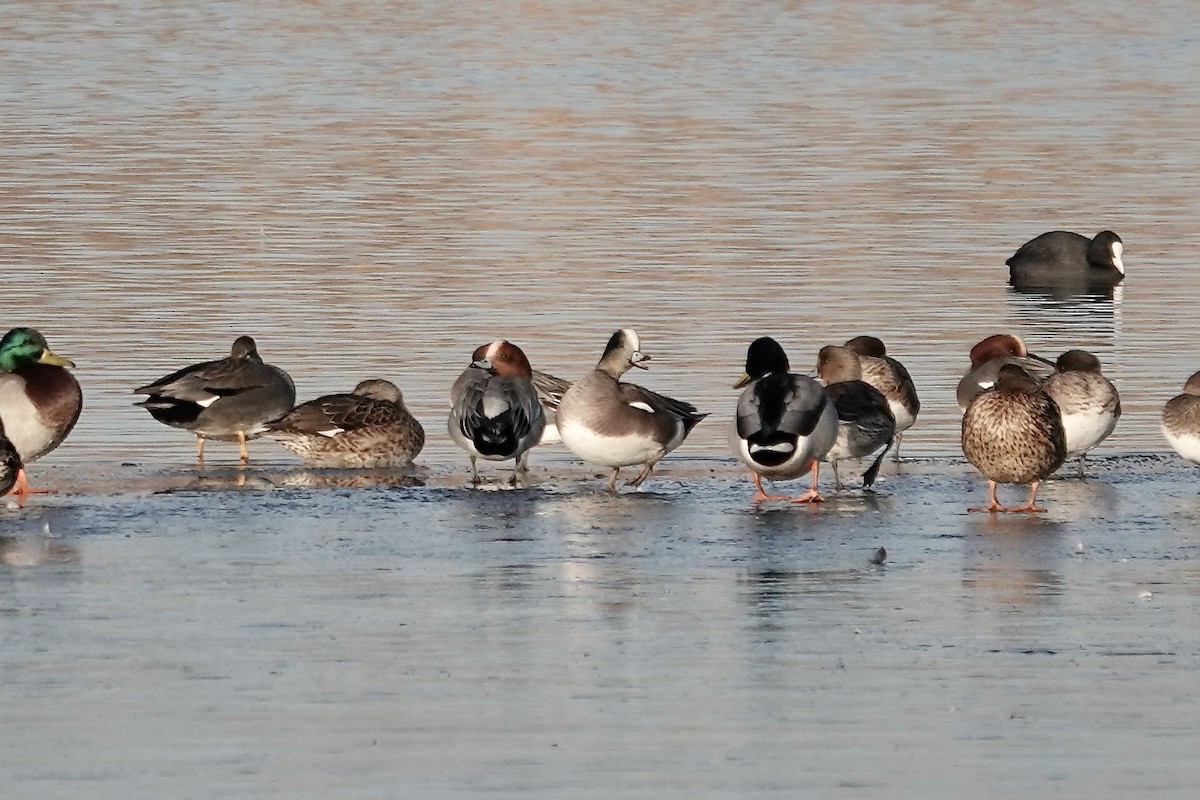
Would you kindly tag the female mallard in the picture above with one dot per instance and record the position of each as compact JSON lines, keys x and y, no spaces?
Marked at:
{"x":785,"y":423}
{"x":368,"y":428}
{"x":40,"y":399}
{"x":231,"y":399}
{"x":1013,"y":433}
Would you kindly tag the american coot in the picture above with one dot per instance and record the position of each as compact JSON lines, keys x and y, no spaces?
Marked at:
{"x":1063,"y":259}
{"x":785,"y":422}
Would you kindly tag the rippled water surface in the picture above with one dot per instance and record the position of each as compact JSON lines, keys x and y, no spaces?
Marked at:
{"x":375,"y":189}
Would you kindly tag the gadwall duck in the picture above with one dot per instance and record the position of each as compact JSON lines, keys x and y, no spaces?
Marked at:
{"x":892,"y":380}
{"x":230,"y":399}
{"x":865,"y":423}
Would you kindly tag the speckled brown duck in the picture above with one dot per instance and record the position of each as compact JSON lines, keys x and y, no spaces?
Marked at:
{"x":1013,"y":433}
{"x":367,"y":428}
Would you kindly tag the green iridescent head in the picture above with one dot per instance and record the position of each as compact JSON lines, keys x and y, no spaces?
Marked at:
{"x":21,"y":347}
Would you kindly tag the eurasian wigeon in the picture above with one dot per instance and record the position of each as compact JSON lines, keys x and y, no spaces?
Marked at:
{"x":989,"y":355}
{"x":495,"y":413}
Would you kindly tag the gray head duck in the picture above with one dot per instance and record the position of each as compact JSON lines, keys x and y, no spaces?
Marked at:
{"x":495,"y":412}
{"x":230,"y":399}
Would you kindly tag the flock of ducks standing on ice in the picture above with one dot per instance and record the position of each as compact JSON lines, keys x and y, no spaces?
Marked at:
{"x":1023,"y":416}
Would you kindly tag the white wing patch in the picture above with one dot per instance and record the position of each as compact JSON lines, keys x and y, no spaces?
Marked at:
{"x":208,"y":401}
{"x":643,"y":406}
{"x":332,"y":432}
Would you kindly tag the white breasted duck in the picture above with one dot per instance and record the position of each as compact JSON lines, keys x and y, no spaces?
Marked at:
{"x":989,"y":355}
{"x":892,"y":380}
{"x":495,"y":413}
{"x":1013,"y":433}
{"x":1063,"y":258}
{"x":230,"y":399}
{"x":785,"y":423}
{"x":865,"y":423}
{"x":615,"y":424}
{"x":368,"y":428}
{"x":1181,"y":420}
{"x":40,"y":399}
{"x":550,"y":392}
{"x":1087,"y":401}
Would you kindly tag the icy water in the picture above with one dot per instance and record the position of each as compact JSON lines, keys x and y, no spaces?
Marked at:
{"x":374,"y":189}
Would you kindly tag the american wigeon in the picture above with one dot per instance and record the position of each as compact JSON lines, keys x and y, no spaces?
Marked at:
{"x":615,"y":424}
{"x":230,"y":399}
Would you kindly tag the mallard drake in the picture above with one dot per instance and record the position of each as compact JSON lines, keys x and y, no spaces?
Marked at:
{"x":1013,"y":433}
{"x":367,"y":428}
{"x":40,"y":399}
{"x":1088,"y":402}
{"x":990,"y":355}
{"x":1181,"y":420}
{"x":495,"y":413}
{"x":865,"y":423}
{"x":785,"y":423}
{"x":892,"y":380}
{"x":1062,"y":258}
{"x":230,"y":399}
{"x":614,"y":424}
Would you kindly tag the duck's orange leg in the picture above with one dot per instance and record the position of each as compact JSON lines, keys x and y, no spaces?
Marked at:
{"x":761,"y":494}
{"x":21,"y":489}
{"x":1031,"y":506}
{"x":812,"y":495}
{"x":994,"y":505}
